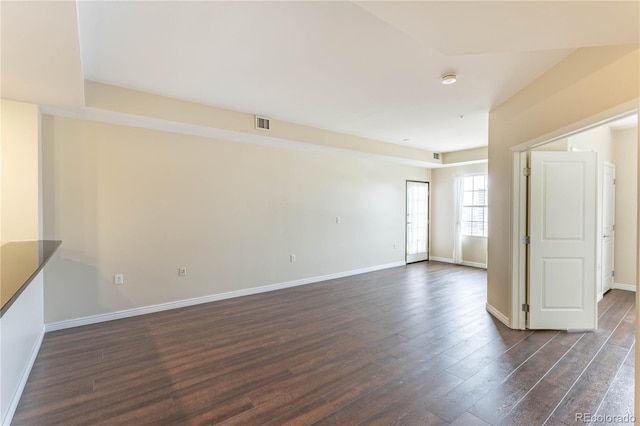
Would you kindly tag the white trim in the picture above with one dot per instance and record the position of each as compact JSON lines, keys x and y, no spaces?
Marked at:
{"x":13,"y":404}
{"x":474,"y":264}
{"x":143,"y":122}
{"x":628,"y":287}
{"x":518,"y":194}
{"x":462,"y":163}
{"x":463,"y":263}
{"x":60,"y":325}
{"x":498,"y":315}
{"x":518,"y":251}
{"x":604,"y":117}
{"x":441,"y":259}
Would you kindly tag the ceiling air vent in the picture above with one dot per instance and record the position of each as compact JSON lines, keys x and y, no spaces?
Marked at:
{"x":262,"y":123}
{"x":436,"y":155}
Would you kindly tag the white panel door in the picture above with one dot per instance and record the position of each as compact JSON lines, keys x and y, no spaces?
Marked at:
{"x":608,"y":222}
{"x":417,"y":221}
{"x":562,"y":254}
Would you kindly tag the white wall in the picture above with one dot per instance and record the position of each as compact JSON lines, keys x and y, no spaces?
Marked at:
{"x":625,"y":145}
{"x":143,"y":203}
{"x":474,"y":249}
{"x":598,"y":139}
{"x":20,"y":194}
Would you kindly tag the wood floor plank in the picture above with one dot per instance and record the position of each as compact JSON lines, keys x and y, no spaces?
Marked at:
{"x":338,"y":398}
{"x":590,"y":388}
{"x":619,"y":399}
{"x":497,"y":403}
{"x":536,"y":407}
{"x":569,"y":369}
{"x":468,"y":420}
{"x":414,"y":409}
{"x":401,"y":387}
{"x":460,"y":399}
{"x":631,"y":360}
{"x":408,"y":345}
{"x":211,"y":414}
{"x":477,"y":360}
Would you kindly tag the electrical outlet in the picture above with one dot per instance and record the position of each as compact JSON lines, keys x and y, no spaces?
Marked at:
{"x":292,"y":258}
{"x":118,"y":279}
{"x":395,"y":245}
{"x":182,"y":271}
{"x":338,"y":219}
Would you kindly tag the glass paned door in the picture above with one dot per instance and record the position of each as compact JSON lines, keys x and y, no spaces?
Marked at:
{"x":417,"y":221}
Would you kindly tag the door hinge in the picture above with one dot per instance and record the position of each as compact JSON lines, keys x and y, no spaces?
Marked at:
{"x":614,"y":227}
{"x":525,"y":307}
{"x":526,"y":171}
{"x":614,"y":181}
{"x":526,"y":239}
{"x":613,"y":273}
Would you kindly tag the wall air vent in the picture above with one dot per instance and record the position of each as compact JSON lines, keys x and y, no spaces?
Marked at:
{"x":436,"y":155}
{"x":262,"y":123}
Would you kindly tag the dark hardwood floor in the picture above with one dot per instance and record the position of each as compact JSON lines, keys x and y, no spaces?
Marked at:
{"x":409,"y":345}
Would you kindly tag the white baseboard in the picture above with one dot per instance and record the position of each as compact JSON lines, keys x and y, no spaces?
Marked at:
{"x":499,"y":315}
{"x":464,"y":262}
{"x":474,"y":264}
{"x":441,"y":259}
{"x":212,"y":298}
{"x":23,"y":380}
{"x":628,"y":287}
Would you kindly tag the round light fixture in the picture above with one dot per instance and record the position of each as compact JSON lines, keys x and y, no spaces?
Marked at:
{"x":449,"y":78}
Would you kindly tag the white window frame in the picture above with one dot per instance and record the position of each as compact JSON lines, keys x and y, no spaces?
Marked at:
{"x":485,"y":206}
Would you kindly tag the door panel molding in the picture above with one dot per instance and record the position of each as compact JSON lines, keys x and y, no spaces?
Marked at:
{"x":563,"y":195}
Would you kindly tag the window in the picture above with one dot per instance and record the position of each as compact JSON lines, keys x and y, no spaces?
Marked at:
{"x":474,"y":206}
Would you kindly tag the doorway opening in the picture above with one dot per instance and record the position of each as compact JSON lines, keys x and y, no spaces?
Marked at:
{"x":589,"y":138}
{"x":417,"y":223}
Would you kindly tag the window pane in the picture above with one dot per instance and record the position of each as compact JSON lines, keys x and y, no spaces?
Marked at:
{"x":468,"y":183}
{"x":479,"y":198}
{"x":466,"y":214}
{"x":478,"y":182}
{"x":478,"y":214}
{"x":474,"y":210}
{"x":478,"y":228}
{"x":466,"y":228}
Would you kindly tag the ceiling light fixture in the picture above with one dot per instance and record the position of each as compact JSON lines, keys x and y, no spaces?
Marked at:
{"x":449,"y":78}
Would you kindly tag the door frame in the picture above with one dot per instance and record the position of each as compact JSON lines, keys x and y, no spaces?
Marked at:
{"x":519,"y":263}
{"x":428,"y":218}
{"x":601,"y":229}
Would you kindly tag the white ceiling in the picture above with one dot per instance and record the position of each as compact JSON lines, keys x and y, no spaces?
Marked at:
{"x":41,"y":53}
{"x":366,"y":68}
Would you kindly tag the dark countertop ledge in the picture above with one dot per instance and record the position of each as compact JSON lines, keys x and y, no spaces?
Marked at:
{"x":20,"y":262}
